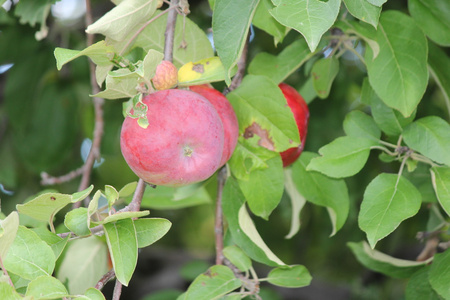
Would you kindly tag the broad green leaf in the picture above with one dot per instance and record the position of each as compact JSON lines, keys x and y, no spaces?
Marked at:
{"x":419,"y":287}
{"x":263,"y":113}
{"x":203,"y":71}
{"x":388,"y":200}
{"x":9,"y":292}
{"x":121,"y":83}
{"x":323,"y":73}
{"x":383,"y":263}
{"x":230,"y":24}
{"x":439,"y":67}
{"x":151,"y":60}
{"x":190,"y":44}
{"x":359,"y":124}
{"x":217,"y":281}
{"x":279,"y":67}
{"x":432,"y":17}
{"x":399,"y":73}
{"x":264,"y":188}
{"x":390,"y":121}
{"x":377,"y":2}
{"x":81,"y":195}
{"x":57,"y":243}
{"x":29,"y":257}
{"x":312,"y":18}
{"x":290,"y":276}
{"x":100,"y":53}
{"x":8,"y":231}
{"x":264,"y":20}
{"x":149,"y":231}
{"x":123,"y":248}
{"x":121,"y":20}
{"x":440,"y":177}
{"x":297,"y":202}
{"x":343,"y":157}
{"x":364,"y":10}
{"x":431,"y":137}
{"x":322,"y":190}
{"x":248,"y":239}
{"x":76,"y":221}
{"x":94,"y":294}
{"x":84,"y":264}
{"x":128,"y":189}
{"x":237,"y":257}
{"x":439,"y":275}
{"x":46,"y":287}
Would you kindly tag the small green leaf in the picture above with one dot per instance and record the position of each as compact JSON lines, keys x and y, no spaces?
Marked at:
{"x":440,"y":177}
{"x":297,"y":202}
{"x":93,"y":206}
{"x":399,"y":80}
{"x":111,"y":194}
{"x":311,"y":18}
{"x":431,"y":137}
{"x":57,"y":243}
{"x":151,"y":60}
{"x":432,"y":17}
{"x":383,"y":263}
{"x":377,"y":2}
{"x":46,"y":287}
{"x":8,"y":231}
{"x":364,"y":10}
{"x":279,"y":67}
{"x":125,"y":215}
{"x":323,"y":73}
{"x":359,"y":124}
{"x":121,"y":83}
{"x":149,"y":231}
{"x":343,"y":157}
{"x":127,"y":189}
{"x":388,"y":200}
{"x":439,"y":274}
{"x":230,"y":40}
{"x":94,"y":294}
{"x":100,"y":53}
{"x":123,"y":248}
{"x":264,"y":188}
{"x":217,"y":281}
{"x":290,"y":276}
{"x":419,"y":287}
{"x":237,"y":257}
{"x":264,"y":20}
{"x":78,"y":196}
{"x":76,"y":221}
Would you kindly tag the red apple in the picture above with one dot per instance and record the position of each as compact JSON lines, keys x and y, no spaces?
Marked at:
{"x":182,"y":144}
{"x":227,"y":115}
{"x":301,"y":115}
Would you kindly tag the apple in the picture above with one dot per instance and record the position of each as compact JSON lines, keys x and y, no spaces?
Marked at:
{"x":182,"y":144}
{"x":166,"y":76}
{"x":300,"y":110}
{"x":226,"y":114}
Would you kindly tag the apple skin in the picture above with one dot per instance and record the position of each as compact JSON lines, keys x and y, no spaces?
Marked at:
{"x":166,"y":76}
{"x":182,"y":144}
{"x":300,"y":110}
{"x":227,"y":115}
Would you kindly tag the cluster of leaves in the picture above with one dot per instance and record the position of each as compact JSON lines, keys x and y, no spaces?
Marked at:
{"x":399,"y":52}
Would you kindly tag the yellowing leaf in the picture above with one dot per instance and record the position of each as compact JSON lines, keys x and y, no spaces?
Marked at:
{"x":203,"y":71}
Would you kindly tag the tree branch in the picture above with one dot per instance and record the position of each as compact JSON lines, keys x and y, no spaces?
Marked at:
{"x":105,"y":279}
{"x":218,"y":230}
{"x":170,"y":31}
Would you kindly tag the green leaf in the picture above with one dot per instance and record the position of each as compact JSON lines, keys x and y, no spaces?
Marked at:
{"x":125,"y":215}
{"x":128,"y":189}
{"x":279,"y":67}
{"x":388,"y":200}
{"x":29,"y":257}
{"x":122,"y":19}
{"x":123,"y":248}
{"x":230,"y":24}
{"x":323,"y":73}
{"x":93,"y":206}
{"x":94,"y":294}
{"x":151,"y":60}
{"x":419,"y":286}
{"x":238,"y":258}
{"x":149,"y":231}
{"x":255,"y":109}
{"x":241,"y":227}
{"x":343,"y":157}
{"x":264,"y":188}
{"x":390,"y":121}
{"x":440,"y":275}
{"x":8,"y":292}
{"x":359,"y":124}
{"x":34,"y":12}
{"x":377,"y":2}
{"x":76,"y":221}
{"x":290,"y":276}
{"x":383,"y":263}
{"x":81,"y":195}
{"x":440,"y":176}
{"x":297,"y":202}
{"x":100,"y":53}
{"x":57,"y":243}
{"x":84,"y":264}
{"x":312,"y":18}
{"x":217,"y":281}
{"x":432,"y":17}
{"x":439,"y":67}
{"x":46,"y":287}
{"x":399,"y":73}
{"x":364,"y":10}
{"x":121,"y":83}
{"x":264,"y":20}
{"x":322,"y":190}
{"x":431,"y":137}
{"x":8,"y":232}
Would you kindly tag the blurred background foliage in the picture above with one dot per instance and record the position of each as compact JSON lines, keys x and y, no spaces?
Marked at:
{"x":45,"y":115}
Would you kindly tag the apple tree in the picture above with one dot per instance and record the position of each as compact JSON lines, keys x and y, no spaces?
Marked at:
{"x":332,"y":159}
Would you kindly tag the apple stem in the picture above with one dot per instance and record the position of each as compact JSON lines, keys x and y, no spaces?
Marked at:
{"x":218,"y":230}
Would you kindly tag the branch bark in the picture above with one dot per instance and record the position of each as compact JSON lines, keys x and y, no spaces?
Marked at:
{"x":170,"y":31}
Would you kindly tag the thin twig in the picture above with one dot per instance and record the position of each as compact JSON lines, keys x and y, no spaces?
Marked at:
{"x":218,"y":229}
{"x":105,"y":279}
{"x":242,"y":63}
{"x":5,"y":272}
{"x":170,"y":31}
{"x":117,"y":290}
{"x":47,"y":179}
{"x":135,"y":204}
